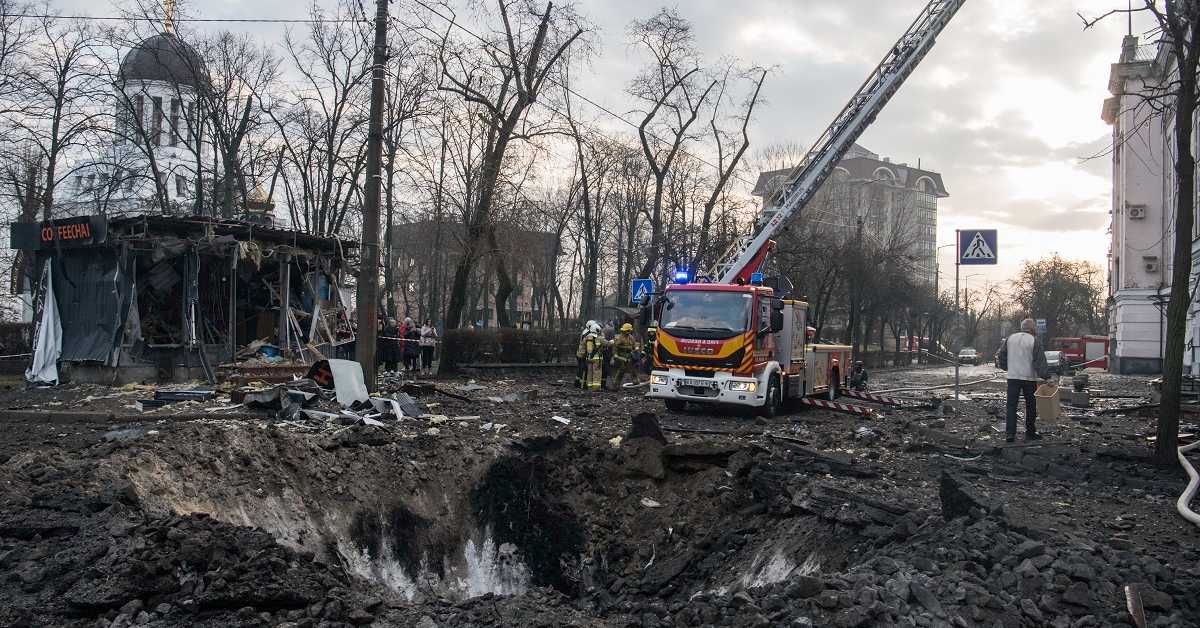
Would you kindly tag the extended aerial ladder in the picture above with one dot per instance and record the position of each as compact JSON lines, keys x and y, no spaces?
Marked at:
{"x":749,"y":253}
{"x":734,"y":340}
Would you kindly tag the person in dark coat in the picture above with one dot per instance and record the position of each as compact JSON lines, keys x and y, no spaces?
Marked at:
{"x":388,"y":346}
{"x":412,"y":346}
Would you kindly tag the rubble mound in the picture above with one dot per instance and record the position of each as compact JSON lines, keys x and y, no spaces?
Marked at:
{"x":591,"y":520}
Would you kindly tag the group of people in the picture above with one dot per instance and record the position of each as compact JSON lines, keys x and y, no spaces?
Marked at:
{"x":407,"y":345}
{"x":603,"y":350}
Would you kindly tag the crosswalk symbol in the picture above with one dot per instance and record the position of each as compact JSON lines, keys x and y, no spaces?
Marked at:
{"x":640,"y":291}
{"x":978,"y":249}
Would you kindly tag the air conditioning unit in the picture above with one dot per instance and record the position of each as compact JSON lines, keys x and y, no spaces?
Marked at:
{"x":1150,"y":262}
{"x":1136,"y":212}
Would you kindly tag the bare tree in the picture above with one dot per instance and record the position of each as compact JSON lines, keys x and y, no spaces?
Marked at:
{"x":237,"y":69}
{"x":674,"y":90}
{"x":504,"y":78}
{"x":727,"y":165}
{"x":321,"y":124}
{"x":65,"y":94}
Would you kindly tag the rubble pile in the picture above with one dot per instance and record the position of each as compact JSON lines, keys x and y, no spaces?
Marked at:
{"x":527,"y":502}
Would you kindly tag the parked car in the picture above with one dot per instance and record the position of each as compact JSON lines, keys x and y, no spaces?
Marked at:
{"x":1056,"y":363}
{"x":968,"y":356}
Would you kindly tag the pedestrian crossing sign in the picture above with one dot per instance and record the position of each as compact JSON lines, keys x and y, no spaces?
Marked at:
{"x":977,"y":247}
{"x":640,"y":291}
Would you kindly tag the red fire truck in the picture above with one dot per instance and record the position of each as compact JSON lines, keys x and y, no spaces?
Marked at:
{"x":733,"y":339}
{"x":1085,"y":351}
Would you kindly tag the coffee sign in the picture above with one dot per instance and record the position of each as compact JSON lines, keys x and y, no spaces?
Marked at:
{"x":63,"y":233}
{"x":77,"y":231}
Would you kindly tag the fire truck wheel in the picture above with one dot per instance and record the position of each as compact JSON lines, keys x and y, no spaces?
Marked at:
{"x":835,"y":381}
{"x":676,"y":405}
{"x":774,"y":398}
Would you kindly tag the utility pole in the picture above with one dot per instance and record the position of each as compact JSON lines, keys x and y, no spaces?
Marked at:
{"x":957,"y":317}
{"x":368,"y":273}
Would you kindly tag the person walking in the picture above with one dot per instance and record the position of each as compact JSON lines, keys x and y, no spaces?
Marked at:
{"x":1022,"y":356}
{"x":429,"y":336}
{"x":412,"y":346}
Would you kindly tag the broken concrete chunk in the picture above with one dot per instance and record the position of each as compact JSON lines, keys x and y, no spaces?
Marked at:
{"x":643,"y":457}
{"x":958,"y":500}
{"x":650,"y":503}
{"x":926,"y":599}
{"x":645,"y":425}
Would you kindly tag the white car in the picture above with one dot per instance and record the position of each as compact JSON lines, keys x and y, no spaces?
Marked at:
{"x":968,"y":356}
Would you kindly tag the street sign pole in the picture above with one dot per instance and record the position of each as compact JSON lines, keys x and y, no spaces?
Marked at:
{"x":957,"y":318}
{"x":979,"y":248}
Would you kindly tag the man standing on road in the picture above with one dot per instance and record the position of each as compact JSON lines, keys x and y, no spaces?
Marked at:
{"x":1021,"y":355}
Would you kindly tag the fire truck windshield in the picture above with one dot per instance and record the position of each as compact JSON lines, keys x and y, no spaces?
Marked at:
{"x":700,"y":314}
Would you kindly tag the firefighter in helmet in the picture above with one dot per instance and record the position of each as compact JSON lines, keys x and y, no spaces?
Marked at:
{"x":587,"y":356}
{"x":648,"y":348}
{"x":624,"y":348}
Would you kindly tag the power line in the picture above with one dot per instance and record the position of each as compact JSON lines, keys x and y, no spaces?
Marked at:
{"x":110,"y":18}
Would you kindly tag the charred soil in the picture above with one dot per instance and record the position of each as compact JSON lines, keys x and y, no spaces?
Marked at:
{"x":531,"y":503}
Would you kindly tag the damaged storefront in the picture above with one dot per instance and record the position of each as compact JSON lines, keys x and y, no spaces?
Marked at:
{"x":157,"y":298}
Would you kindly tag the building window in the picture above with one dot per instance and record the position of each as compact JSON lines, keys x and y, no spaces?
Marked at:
{"x":128,"y":180}
{"x":181,"y":185}
{"x":175,"y":121}
{"x":156,"y":123}
{"x":139,"y":103}
{"x":79,"y":182}
{"x":190,"y":120}
{"x":162,"y":182}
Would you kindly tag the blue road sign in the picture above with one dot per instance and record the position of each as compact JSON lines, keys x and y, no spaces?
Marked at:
{"x":1041,"y":325}
{"x":640,"y":289}
{"x":977,"y":247}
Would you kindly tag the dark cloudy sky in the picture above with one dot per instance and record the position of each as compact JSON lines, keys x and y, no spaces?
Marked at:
{"x":1005,"y":106}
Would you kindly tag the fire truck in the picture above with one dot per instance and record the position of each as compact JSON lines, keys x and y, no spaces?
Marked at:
{"x":729,"y":337}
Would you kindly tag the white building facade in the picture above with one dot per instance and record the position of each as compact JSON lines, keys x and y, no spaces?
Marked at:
{"x":1140,"y":257}
{"x":156,"y":152}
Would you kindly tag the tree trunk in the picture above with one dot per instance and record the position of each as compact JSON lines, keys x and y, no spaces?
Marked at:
{"x":1167,"y":443}
{"x":504,"y":281}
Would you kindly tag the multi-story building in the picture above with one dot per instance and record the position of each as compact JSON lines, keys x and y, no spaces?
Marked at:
{"x":1143,"y":199}
{"x":895,"y":201}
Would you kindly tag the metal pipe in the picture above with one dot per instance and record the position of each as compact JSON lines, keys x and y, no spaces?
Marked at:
{"x":1193,"y":483}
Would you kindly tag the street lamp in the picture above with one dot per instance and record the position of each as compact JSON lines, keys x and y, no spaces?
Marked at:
{"x":965,"y":280}
{"x":937,"y":274}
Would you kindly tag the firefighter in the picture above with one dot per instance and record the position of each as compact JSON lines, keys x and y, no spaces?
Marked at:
{"x":859,"y":376}
{"x":591,"y":343}
{"x":648,"y":348}
{"x":624,"y":348}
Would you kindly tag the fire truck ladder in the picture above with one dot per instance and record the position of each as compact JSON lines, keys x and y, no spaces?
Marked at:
{"x":806,"y":178}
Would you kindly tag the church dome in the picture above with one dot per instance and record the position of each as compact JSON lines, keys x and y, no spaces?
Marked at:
{"x":164,"y":57}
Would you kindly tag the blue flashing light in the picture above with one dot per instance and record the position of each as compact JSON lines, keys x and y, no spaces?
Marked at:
{"x":756,"y":278}
{"x":682,"y":275}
